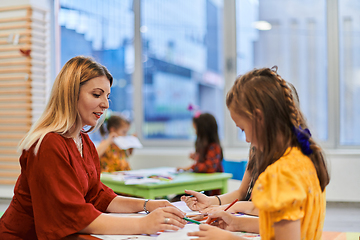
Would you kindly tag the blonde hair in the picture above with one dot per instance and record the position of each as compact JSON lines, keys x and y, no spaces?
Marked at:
{"x":61,"y":112}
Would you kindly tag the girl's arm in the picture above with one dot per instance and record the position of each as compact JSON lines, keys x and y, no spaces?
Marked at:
{"x":246,"y":207}
{"x":240,"y":193}
{"x":286,"y":229}
{"x":201,"y":201}
{"x":101,"y":148}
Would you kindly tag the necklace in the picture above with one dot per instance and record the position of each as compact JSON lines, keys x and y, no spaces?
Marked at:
{"x":79,"y":144}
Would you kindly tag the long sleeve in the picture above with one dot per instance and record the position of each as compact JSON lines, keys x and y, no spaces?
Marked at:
{"x":58,"y":192}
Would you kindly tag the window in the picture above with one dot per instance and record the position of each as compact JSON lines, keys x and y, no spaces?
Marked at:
{"x":349,"y":45}
{"x":292,"y":35}
{"x":180,"y":50}
{"x":105,"y":31}
{"x":182,"y":65}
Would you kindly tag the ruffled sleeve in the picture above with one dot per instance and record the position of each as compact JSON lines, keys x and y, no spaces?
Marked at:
{"x":280,"y":193}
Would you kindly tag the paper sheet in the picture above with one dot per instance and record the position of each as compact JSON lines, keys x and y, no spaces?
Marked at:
{"x":173,"y":235}
{"x":124,"y":237}
{"x":180,"y":234}
{"x":141,"y":176}
{"x":183,"y":207}
{"x":126,"y":142}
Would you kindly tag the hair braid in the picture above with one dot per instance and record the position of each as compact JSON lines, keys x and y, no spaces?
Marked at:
{"x":295,"y":117}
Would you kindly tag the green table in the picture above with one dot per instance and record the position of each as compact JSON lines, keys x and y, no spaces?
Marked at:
{"x":181,"y":181}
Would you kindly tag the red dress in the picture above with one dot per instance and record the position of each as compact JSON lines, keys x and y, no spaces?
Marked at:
{"x":212,"y":161}
{"x":58,"y":192}
{"x":212,"y":164}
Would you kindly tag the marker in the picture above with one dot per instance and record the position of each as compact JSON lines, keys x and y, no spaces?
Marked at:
{"x":199,"y":192}
{"x":214,"y":219}
{"x":191,"y":220}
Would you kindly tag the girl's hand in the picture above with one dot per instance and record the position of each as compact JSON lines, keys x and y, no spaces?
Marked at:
{"x":194,"y":156}
{"x":183,"y":168}
{"x":224,"y":220}
{"x":130,"y":151}
{"x":111,"y":137}
{"x":196,"y":203}
{"x":164,"y":218}
{"x":208,"y":232}
{"x":215,"y":208}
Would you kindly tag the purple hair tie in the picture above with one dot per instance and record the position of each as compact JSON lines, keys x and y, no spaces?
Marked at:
{"x":303,"y":136}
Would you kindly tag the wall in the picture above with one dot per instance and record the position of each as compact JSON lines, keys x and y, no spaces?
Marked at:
{"x":344,"y":166}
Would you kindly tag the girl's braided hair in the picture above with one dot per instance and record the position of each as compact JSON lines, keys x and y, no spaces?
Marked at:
{"x":265,"y":91}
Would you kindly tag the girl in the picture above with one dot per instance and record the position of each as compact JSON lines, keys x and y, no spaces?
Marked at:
{"x":112,"y":158}
{"x":290,"y":190}
{"x":208,"y":152}
{"x":243,"y":193}
{"x":59,"y":191}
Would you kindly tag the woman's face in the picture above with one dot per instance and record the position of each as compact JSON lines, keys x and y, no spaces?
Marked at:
{"x":245,"y":125}
{"x":93,"y":100}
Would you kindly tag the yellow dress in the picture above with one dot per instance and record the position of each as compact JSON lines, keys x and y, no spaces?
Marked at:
{"x":290,"y":190}
{"x":114,"y":159}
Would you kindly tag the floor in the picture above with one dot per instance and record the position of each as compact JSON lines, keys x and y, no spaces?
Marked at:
{"x":340,"y":217}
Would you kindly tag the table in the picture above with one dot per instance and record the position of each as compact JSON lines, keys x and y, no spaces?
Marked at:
{"x":181,"y":181}
{"x":325,"y":236}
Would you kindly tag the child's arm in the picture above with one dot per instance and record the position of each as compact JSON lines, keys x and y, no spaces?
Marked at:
{"x":246,"y":207}
{"x":183,"y":168}
{"x":286,"y":229}
{"x":101,"y":148}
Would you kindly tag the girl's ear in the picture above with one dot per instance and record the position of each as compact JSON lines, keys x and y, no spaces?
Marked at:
{"x":259,"y":116}
{"x":112,"y":129}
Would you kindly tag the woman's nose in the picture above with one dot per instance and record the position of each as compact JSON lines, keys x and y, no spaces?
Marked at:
{"x":105,"y":104}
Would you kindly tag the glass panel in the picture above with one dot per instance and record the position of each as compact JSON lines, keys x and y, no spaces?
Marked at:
{"x":349,"y":34}
{"x":105,"y":31}
{"x":182,"y":55}
{"x":292,"y":35}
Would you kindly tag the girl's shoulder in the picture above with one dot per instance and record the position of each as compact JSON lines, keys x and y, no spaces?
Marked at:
{"x":293,"y":159}
{"x":283,"y":182}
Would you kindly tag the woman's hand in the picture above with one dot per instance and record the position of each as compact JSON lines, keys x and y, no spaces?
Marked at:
{"x":208,"y":232}
{"x":163,"y":218}
{"x":198,"y":202}
{"x":151,"y":205}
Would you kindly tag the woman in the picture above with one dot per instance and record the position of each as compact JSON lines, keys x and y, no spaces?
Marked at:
{"x":59,"y":191}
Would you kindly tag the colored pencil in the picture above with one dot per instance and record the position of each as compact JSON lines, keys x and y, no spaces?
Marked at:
{"x":213,"y":220}
{"x":200,"y":192}
{"x":191,"y":220}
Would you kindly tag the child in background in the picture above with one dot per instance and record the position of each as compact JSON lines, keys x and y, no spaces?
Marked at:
{"x":112,"y":158}
{"x":289,"y":193}
{"x":208,"y":154}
